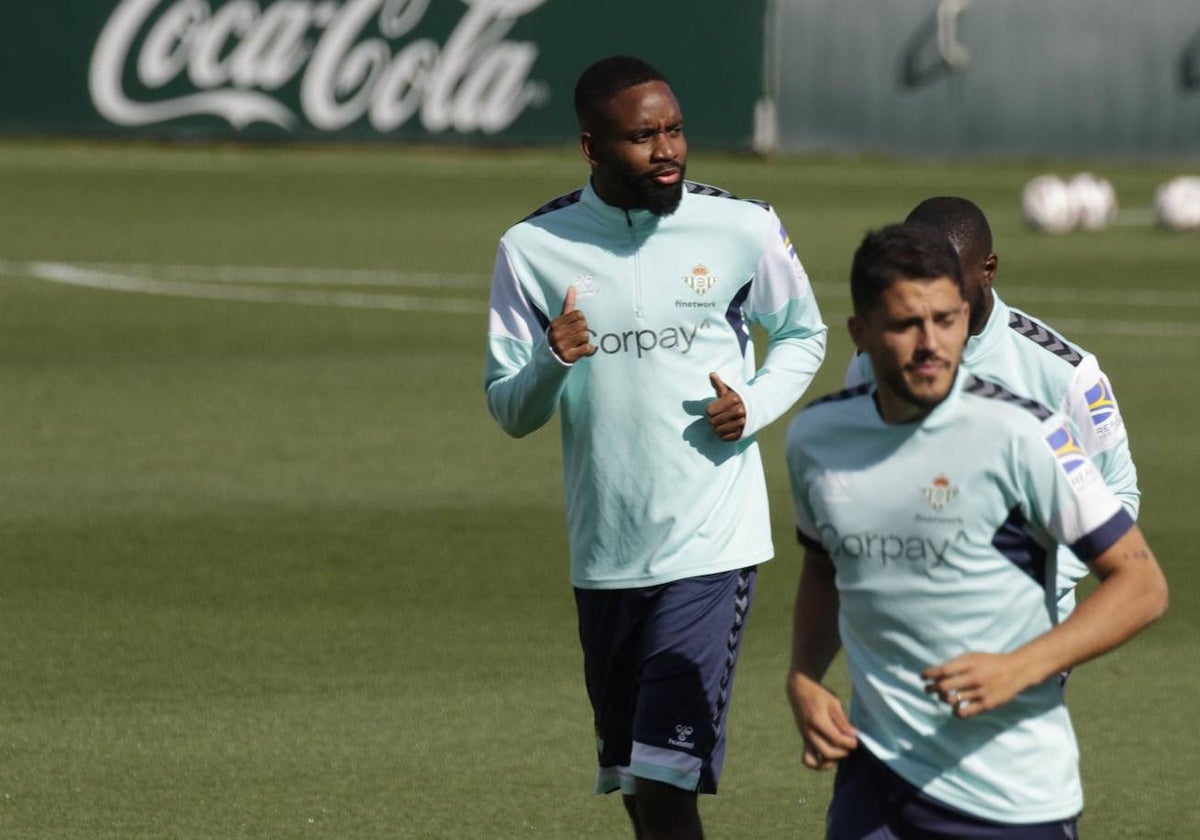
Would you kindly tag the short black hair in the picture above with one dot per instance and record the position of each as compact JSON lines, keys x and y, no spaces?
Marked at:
{"x":604,"y":79}
{"x":906,"y":251}
{"x":959,"y":219}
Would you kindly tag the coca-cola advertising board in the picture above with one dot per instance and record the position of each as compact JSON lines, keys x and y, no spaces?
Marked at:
{"x":496,"y":71}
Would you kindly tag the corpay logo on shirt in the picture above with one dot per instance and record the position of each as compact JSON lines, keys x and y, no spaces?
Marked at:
{"x":888,"y":548}
{"x":640,"y":342}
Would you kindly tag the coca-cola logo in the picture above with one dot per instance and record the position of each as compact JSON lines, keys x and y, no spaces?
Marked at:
{"x":358,"y":59}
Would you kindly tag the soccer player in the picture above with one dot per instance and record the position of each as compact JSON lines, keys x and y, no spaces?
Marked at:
{"x":929,"y":505}
{"x":626,"y":306}
{"x":1024,"y":355}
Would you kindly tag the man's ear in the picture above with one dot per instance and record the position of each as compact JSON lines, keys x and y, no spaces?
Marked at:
{"x":587,"y":147}
{"x":990,"y":265}
{"x":857,"y":327}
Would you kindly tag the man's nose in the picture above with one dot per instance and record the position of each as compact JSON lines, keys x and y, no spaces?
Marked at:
{"x":927,"y":338}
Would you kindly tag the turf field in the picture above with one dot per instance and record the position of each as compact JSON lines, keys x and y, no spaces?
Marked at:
{"x":269,"y":569}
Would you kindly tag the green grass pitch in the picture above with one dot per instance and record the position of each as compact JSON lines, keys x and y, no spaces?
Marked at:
{"x":268,"y":568}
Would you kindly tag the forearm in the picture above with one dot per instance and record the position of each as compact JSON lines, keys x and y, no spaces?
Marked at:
{"x":523,"y":400}
{"x":815,"y":639}
{"x":1132,"y":594}
{"x":786,"y":373}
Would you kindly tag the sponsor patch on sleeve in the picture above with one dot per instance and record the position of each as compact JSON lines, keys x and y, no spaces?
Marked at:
{"x":1071,"y":456}
{"x":797,"y":269}
{"x":1102,"y":408}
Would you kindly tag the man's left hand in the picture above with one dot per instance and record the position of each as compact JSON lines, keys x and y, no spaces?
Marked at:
{"x":727,"y":413}
{"x":976,"y":682}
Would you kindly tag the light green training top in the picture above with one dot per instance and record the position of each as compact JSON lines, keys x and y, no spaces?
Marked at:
{"x":652,"y":494}
{"x":1029,"y":358}
{"x":942,"y":534}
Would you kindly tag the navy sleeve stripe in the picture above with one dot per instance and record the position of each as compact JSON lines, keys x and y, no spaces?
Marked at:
{"x":708,"y":189}
{"x":844,"y":394}
{"x":1015,"y":543}
{"x":555,"y":204}
{"x":735,"y":318}
{"x":1102,"y":539}
{"x":991,"y":390}
{"x":1042,"y":336}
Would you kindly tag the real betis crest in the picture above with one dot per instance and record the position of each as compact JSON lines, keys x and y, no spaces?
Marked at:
{"x":939,"y":492}
{"x":700,"y":280}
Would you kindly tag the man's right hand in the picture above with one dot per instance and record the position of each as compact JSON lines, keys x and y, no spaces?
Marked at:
{"x":568,"y":335}
{"x":827,"y":732}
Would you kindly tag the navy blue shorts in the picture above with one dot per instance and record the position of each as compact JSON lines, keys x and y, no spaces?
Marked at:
{"x":659,"y":664}
{"x":870,"y":802}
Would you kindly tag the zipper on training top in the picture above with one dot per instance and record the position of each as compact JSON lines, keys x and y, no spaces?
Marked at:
{"x":637,"y":269}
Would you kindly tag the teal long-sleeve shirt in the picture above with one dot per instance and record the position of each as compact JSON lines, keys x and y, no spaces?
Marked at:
{"x":652,"y":494}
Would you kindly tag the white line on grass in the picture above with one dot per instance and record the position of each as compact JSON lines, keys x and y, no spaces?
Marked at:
{"x":1111,"y":297}
{"x":224,"y":282}
{"x":309,"y":276}
{"x":276,"y":275}
{"x":76,"y":276}
{"x":1133,"y":329}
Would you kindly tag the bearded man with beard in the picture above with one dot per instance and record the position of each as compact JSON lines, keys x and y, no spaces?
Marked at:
{"x":626,"y":305}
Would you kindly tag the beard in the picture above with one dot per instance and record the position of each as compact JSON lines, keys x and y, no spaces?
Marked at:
{"x":923,"y":401}
{"x":659,"y":199}
{"x":643,"y":192}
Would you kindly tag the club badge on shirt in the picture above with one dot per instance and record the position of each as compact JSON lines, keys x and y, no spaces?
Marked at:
{"x":701,"y":279}
{"x":939,"y":492}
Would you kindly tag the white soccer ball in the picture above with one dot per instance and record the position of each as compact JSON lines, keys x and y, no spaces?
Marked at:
{"x":1047,"y":205}
{"x":1177,"y":203}
{"x":1095,"y":201}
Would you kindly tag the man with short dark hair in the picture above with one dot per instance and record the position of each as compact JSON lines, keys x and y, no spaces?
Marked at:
{"x":1022,"y":353}
{"x":929,"y":505}
{"x":626,"y":306}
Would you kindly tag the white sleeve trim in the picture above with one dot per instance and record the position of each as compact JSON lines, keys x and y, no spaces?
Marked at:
{"x":1090,"y":402}
{"x":780,"y":276}
{"x":510,"y":314}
